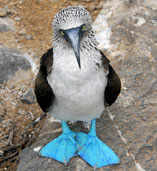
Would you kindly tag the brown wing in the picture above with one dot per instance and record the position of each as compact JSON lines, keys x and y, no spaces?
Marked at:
{"x":43,"y":91}
{"x":113,"y":87}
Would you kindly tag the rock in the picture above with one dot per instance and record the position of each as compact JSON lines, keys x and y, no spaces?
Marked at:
{"x":4,"y":28}
{"x":147,"y":157}
{"x":131,"y":130}
{"x":144,"y":151}
{"x":21,"y":1}
{"x":31,"y":160}
{"x":22,"y":32}
{"x":11,"y":61}
{"x":155,"y":144}
{"x":6,"y":25}
{"x":151,"y":4}
{"x":139,"y":21}
{"x":154,"y":52}
{"x":154,"y":35}
{"x":17,"y":18}
{"x":28,"y":37}
{"x":28,"y":97}
{"x":1,"y":119}
{"x":3,"y":12}
{"x":154,"y":20}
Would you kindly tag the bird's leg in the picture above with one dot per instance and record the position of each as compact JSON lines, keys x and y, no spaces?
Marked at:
{"x":63,"y":148}
{"x":94,"y":151}
{"x":86,"y":124}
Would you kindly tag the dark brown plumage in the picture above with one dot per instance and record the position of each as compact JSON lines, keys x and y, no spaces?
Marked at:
{"x":43,"y":91}
{"x":113,"y":87}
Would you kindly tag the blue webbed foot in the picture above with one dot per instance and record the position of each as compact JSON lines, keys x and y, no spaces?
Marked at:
{"x":81,"y":139}
{"x":98,"y":154}
{"x":63,"y":148}
{"x":94,"y":151}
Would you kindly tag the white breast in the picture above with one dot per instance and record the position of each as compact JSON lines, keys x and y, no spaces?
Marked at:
{"x":79,"y":92}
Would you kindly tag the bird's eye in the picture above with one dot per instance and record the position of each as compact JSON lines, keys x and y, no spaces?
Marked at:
{"x":62,"y":32}
{"x":84,"y":28}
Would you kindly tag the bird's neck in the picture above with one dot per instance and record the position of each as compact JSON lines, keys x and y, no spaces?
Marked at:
{"x":64,"y":59}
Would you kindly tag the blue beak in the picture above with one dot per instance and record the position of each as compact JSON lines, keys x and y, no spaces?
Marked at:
{"x":73,"y":36}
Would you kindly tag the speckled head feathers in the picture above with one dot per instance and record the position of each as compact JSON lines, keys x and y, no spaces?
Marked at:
{"x":71,"y":17}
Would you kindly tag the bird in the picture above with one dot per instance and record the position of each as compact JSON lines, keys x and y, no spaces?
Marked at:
{"x":76,"y":82}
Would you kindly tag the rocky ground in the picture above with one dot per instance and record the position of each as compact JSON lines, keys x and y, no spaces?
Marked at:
{"x":25,"y":34}
{"x":127,"y":31}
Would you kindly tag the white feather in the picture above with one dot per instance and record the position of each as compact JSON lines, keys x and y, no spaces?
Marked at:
{"x":79,"y":92}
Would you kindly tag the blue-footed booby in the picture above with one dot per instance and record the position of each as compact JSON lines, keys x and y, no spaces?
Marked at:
{"x":74,"y":83}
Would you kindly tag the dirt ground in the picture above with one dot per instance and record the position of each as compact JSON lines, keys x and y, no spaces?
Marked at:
{"x":36,"y":18}
{"x":32,"y":35}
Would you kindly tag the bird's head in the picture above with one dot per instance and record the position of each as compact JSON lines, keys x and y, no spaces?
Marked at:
{"x":71,"y":25}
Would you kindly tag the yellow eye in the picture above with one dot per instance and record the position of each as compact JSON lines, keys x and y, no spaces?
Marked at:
{"x":84,"y":28}
{"x":62,"y":33}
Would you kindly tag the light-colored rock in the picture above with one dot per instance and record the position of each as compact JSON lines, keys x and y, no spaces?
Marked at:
{"x":10,"y":62}
{"x":154,"y":20}
{"x":21,"y":1}
{"x":28,"y":37}
{"x":6,"y":24}
{"x":17,"y":18}
{"x":3,"y":12}
{"x":102,"y":29}
{"x":139,"y":21}
{"x":4,"y":28}
{"x":154,"y":52}
{"x":151,"y":4}
{"x":22,"y":31}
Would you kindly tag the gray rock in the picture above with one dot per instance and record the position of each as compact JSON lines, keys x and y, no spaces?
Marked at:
{"x":11,"y":60}
{"x":154,"y":52}
{"x":151,"y":4}
{"x":133,"y":132}
{"x":154,"y":20}
{"x":4,"y":28}
{"x":31,"y":160}
{"x":155,"y":144}
{"x":1,"y":119}
{"x":143,"y":151}
{"x":154,"y":35}
{"x":28,"y":97}
{"x":6,"y":25}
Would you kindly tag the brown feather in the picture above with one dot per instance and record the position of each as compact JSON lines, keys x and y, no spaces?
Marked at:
{"x":43,"y":91}
{"x":113,"y":87}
